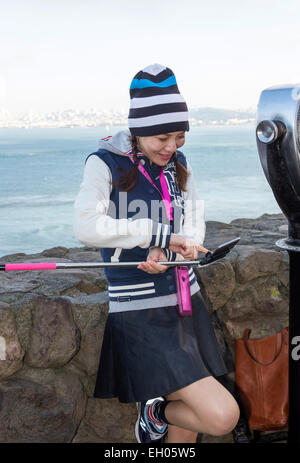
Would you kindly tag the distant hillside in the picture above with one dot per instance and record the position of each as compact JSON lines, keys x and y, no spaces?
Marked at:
{"x":207,"y":115}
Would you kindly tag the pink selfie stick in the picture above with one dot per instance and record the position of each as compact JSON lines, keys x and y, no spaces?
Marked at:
{"x":34,"y":266}
{"x":88,"y":265}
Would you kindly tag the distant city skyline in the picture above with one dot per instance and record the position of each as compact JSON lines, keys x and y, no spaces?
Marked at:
{"x":96,"y":118}
{"x":63,"y":54}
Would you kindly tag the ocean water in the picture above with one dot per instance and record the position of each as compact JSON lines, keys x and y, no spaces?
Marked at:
{"x":41,"y":171}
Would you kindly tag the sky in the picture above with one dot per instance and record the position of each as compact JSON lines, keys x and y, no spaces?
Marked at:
{"x":82,"y":54}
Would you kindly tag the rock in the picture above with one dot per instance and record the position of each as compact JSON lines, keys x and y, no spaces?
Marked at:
{"x":55,"y":338}
{"x":108,"y":421}
{"x":58,"y":318}
{"x":12,"y":257}
{"x":11,"y":352}
{"x":22,"y":310}
{"x":85,"y":286}
{"x":258,"y":297}
{"x":266,"y":222}
{"x":261,"y":307}
{"x":261,"y":232}
{"x":13,"y":285}
{"x":283,"y":272}
{"x":87,"y":359}
{"x":18,"y":284}
{"x":58,"y":251}
{"x":41,"y":412}
{"x":82,"y":255}
{"x":253,"y":263}
{"x":218,"y":282}
{"x":222,"y":342}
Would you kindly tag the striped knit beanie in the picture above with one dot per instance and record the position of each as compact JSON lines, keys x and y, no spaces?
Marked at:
{"x":156,"y":106}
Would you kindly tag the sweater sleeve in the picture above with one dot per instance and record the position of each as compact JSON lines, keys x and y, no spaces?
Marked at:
{"x":94,"y":227}
{"x":194,"y":220}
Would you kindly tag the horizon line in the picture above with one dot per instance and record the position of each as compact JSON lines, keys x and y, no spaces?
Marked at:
{"x":249,"y":109}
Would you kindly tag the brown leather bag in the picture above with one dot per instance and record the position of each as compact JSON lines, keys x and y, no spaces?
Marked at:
{"x":261,"y":375}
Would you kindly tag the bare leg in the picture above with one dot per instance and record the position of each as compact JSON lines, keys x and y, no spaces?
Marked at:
{"x":178,"y":435}
{"x":204,"y":406}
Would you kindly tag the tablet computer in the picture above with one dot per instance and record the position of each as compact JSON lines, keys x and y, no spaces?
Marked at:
{"x":219,"y":252}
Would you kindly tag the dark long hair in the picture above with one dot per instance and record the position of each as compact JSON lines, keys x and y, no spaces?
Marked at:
{"x":129,"y":178}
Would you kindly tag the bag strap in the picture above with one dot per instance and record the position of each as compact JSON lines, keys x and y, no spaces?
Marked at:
{"x":278,"y":347}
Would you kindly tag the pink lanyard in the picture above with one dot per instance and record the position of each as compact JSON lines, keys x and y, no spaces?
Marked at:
{"x":165,"y":192}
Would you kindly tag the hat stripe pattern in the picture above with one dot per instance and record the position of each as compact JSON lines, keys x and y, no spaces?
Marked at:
{"x":156,"y":105}
{"x":160,"y":119}
{"x":152,"y":91}
{"x":144,"y":83}
{"x":158,"y":109}
{"x":159,"y":99}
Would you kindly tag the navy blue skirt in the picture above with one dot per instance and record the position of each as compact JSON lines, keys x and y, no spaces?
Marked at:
{"x":153,"y":352}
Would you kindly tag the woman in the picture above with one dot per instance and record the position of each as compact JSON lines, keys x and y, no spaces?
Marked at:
{"x":138,"y":203}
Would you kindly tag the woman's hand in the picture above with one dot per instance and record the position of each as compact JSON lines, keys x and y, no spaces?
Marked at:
{"x":186,"y":247}
{"x":151,"y":266}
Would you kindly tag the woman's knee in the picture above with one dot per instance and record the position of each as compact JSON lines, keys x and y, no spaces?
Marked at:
{"x":215,"y":410}
{"x":224,"y":420}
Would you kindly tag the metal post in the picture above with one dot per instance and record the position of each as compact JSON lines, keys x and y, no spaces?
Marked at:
{"x":294,"y":339}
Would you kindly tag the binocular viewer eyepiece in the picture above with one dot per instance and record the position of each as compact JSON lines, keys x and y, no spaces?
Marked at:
{"x":269,"y":131}
{"x":278,"y":143}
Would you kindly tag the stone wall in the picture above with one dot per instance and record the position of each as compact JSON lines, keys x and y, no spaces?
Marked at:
{"x":52,"y":322}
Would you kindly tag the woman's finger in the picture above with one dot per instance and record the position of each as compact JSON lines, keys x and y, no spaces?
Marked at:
{"x":202,"y":249}
{"x":158,"y":267}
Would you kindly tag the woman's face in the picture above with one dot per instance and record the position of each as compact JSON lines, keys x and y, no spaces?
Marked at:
{"x":159,"y":148}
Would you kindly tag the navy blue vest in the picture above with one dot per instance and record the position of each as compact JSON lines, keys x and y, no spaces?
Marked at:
{"x":158,"y":284}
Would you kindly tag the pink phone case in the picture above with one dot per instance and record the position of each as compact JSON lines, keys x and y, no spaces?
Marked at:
{"x":184,"y":300}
